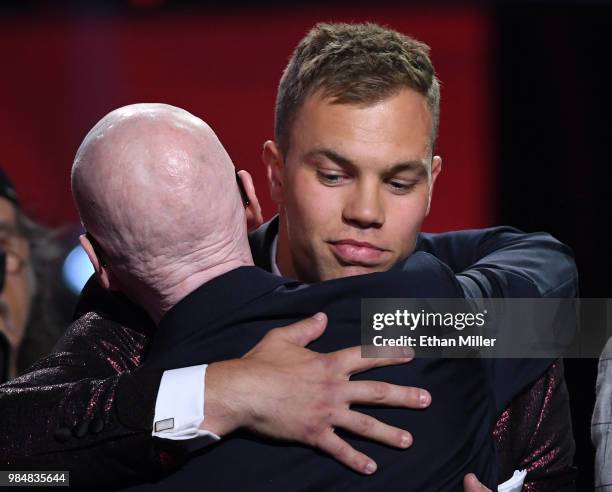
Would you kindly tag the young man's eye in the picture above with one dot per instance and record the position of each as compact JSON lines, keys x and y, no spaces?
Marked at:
{"x":399,"y":186}
{"x":330,"y":178}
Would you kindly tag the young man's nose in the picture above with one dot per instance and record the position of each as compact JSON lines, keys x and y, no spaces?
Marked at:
{"x":363,"y":207}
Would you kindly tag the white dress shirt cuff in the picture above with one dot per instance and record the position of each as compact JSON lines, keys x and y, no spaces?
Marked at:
{"x":179,"y":408}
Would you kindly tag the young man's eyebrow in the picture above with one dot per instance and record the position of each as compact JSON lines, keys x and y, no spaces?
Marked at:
{"x":418,"y":166}
{"x":332,"y":156}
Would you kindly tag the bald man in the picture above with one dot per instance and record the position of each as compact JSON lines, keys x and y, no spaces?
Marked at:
{"x":139,"y":178}
{"x":150,"y":226}
{"x":161,"y":249}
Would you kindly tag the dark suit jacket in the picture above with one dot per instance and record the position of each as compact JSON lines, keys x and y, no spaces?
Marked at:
{"x":228,"y":315}
{"x":90,"y":404}
{"x":534,"y":431}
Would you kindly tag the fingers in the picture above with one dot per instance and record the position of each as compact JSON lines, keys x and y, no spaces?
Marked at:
{"x":342,"y":451}
{"x":472,"y":484}
{"x":370,"y":428}
{"x":302,"y":332}
{"x":351,"y":362}
{"x":379,"y":393}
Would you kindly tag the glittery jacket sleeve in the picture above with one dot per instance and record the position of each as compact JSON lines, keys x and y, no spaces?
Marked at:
{"x":86,"y":407}
{"x":534,"y":434}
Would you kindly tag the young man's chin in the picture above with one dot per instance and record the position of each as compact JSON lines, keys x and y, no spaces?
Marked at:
{"x":342,"y":271}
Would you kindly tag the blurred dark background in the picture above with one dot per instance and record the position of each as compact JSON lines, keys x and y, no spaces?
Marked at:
{"x":525,"y":107}
{"x":554,"y":130}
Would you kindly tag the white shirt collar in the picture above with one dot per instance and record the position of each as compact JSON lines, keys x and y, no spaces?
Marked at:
{"x":273,"y":263}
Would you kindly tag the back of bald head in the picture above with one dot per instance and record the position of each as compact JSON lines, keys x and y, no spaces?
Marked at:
{"x":156,"y":188}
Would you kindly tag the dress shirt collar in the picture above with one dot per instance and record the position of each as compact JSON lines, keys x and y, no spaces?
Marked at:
{"x":273,"y":250}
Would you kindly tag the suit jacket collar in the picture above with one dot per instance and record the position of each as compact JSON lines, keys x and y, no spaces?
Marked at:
{"x":213,"y":300}
{"x":260,"y":241}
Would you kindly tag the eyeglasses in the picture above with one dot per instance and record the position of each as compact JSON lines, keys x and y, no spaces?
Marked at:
{"x":10,"y":262}
{"x":14,"y":263}
{"x":2,"y":269}
{"x":243,"y":193}
{"x":97,"y":248}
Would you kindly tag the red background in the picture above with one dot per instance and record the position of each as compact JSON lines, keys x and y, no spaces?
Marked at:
{"x":64,"y":72}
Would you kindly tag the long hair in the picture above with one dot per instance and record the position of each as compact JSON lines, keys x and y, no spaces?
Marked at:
{"x":45,"y":323}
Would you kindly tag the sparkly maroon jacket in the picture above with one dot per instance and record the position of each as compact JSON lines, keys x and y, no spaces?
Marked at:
{"x":88,"y":407}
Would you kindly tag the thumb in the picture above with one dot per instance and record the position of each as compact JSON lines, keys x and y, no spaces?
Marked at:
{"x":305,"y":331}
{"x":472,"y":484}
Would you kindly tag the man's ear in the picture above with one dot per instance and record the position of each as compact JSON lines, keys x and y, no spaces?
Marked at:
{"x":436,"y":167}
{"x":253,"y":209}
{"x":273,"y":159}
{"x":103,"y":272}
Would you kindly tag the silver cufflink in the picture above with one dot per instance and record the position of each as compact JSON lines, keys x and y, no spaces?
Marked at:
{"x":164,"y":425}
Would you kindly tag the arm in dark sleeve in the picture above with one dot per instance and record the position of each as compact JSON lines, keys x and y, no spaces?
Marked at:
{"x":534,"y":431}
{"x":505,"y":262}
{"x":85,"y":408}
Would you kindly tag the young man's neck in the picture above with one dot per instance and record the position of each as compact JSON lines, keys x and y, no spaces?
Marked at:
{"x":283,"y":259}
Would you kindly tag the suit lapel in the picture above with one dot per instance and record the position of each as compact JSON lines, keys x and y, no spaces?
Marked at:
{"x":260,"y":241}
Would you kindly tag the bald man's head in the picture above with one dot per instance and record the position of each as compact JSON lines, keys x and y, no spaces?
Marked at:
{"x":156,"y":188}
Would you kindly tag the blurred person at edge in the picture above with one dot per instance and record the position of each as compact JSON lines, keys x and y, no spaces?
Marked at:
{"x":601,"y":422}
{"x":26,"y":249}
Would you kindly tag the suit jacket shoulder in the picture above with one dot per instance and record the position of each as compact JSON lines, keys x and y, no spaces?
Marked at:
{"x":505,"y":262}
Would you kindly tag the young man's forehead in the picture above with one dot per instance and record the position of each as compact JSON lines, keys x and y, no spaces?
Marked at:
{"x":400,"y":112}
